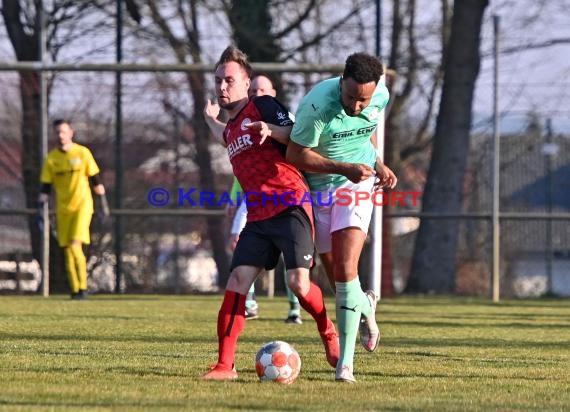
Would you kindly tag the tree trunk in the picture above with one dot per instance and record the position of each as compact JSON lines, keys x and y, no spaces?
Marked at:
{"x":31,"y":156}
{"x":190,"y":47}
{"x":25,"y":44}
{"x":251,"y":25}
{"x":434,"y":260}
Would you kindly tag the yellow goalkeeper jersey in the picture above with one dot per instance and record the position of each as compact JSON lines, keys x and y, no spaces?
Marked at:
{"x":68,"y":173}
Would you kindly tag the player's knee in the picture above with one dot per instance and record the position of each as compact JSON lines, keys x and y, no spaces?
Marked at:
{"x":298,"y":281}
{"x":294,"y":285}
{"x":239,"y":281}
{"x":234,"y":282}
{"x":344,"y":271}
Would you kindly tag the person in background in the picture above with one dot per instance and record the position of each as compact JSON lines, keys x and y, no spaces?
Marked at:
{"x":71,"y":170}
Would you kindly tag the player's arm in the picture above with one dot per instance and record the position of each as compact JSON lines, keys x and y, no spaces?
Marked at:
{"x":279,"y":133}
{"x":306,"y":133}
{"x":45,"y":192}
{"x":211,"y":113}
{"x":46,"y":180}
{"x":385,"y":177}
{"x":95,"y":179}
{"x":99,"y":190}
{"x":43,"y":199}
{"x":275,"y":120}
{"x":92,"y":172}
{"x":306,"y":159}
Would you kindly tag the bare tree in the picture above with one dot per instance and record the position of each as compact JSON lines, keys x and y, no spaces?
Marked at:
{"x":272,"y":31}
{"x":185,"y":44}
{"x":444,"y":188}
{"x":22,"y":22}
{"x":417,"y":76}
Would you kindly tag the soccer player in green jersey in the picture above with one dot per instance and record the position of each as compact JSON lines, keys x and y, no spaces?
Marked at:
{"x":333,"y":141}
{"x":70,"y":168}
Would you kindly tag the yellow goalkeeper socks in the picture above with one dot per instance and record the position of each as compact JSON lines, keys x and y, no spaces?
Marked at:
{"x":80,"y":265}
{"x":71,"y":270}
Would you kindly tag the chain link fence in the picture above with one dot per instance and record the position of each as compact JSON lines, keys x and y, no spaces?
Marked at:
{"x":172,"y":253}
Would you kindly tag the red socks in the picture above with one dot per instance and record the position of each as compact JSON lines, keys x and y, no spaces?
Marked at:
{"x":231,"y":320}
{"x":314,"y":304}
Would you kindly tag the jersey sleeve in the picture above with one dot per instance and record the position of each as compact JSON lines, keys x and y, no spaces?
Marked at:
{"x":240,"y":219}
{"x":92,"y":168}
{"x":236,"y":187}
{"x":308,"y":126}
{"x":379,"y":101}
{"x":272,"y":111}
{"x":46,"y":176}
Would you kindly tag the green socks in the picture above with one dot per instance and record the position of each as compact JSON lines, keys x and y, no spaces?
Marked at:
{"x":351,"y":302}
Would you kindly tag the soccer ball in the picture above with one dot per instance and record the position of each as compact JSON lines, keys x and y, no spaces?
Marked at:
{"x":277,"y":361}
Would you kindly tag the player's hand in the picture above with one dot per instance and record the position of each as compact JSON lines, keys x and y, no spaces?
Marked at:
{"x":262,"y":128}
{"x":103,"y":211}
{"x":211,"y":109}
{"x":357,"y":172}
{"x":385,"y":177}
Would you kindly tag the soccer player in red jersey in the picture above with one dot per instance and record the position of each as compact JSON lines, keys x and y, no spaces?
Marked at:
{"x":256,"y":137}
{"x":260,"y":85}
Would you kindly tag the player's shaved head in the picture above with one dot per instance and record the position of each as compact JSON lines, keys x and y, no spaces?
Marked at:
{"x":262,"y":85}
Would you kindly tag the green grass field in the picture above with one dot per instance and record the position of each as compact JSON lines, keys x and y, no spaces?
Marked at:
{"x":147,"y":352}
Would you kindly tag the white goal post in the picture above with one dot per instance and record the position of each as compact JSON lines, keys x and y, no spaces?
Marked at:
{"x":375,"y":273}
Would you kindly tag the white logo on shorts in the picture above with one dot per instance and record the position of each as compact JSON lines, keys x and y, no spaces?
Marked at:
{"x":308,"y":257}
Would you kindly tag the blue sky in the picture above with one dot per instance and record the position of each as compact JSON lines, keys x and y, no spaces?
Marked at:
{"x":533,"y":80}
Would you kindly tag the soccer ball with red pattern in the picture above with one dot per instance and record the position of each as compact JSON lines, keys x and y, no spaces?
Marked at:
{"x":277,"y":361}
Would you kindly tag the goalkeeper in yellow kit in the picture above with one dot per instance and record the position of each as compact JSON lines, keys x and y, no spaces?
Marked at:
{"x":70,"y":168}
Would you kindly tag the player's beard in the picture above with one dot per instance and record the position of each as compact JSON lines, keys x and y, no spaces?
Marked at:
{"x":230,"y":105}
{"x":350,"y":112}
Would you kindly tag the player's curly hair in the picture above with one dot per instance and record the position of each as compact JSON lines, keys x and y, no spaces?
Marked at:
{"x":363,"y":68}
{"x":233,"y":54}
